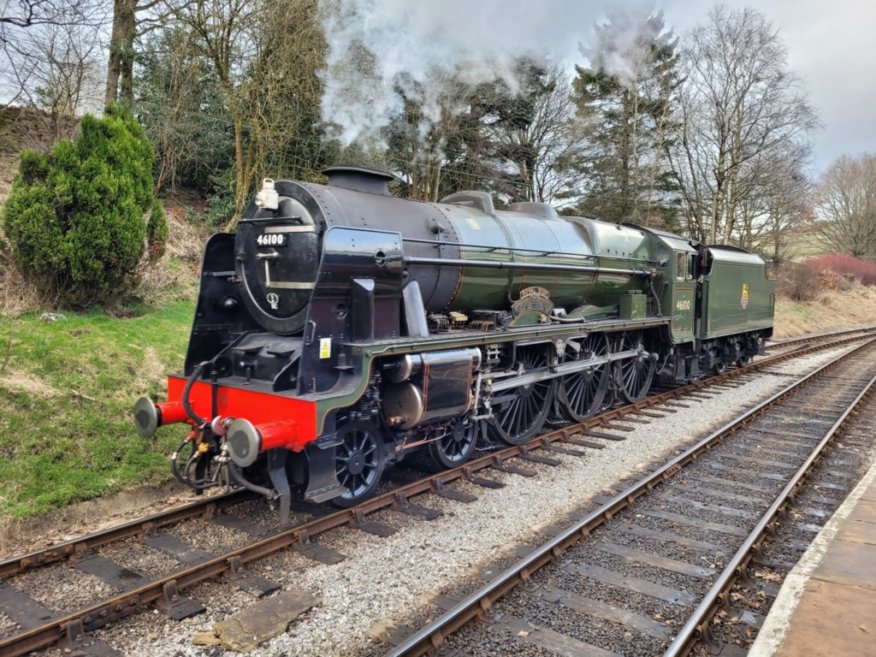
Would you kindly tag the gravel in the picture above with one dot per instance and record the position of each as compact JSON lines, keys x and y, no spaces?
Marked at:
{"x":392,"y":580}
{"x":7,"y":626}
{"x":625,"y":598}
{"x":141,"y":558}
{"x":92,"y":515}
{"x":781,"y":449}
{"x":210,"y":536}
{"x":778,"y":550}
{"x":688,"y":531}
{"x":756,"y":595}
{"x":594,"y":556}
{"x":683,"y":507}
{"x":62,"y":588}
{"x":726,"y":495}
{"x":490,"y":640}
{"x":668,"y":549}
{"x":600,"y":633}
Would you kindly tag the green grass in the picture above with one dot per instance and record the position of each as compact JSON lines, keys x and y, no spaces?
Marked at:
{"x":66,"y":393}
{"x":798,"y":309}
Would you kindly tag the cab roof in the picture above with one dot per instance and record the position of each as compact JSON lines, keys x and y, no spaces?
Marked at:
{"x":727,"y":253}
{"x":673,"y":241}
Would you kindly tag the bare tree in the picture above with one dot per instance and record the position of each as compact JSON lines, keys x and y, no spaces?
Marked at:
{"x":28,"y":28}
{"x":541,"y":138}
{"x":740,"y":108}
{"x":265,"y":55}
{"x":69,"y":75}
{"x":173,"y":105}
{"x":520,"y":144}
{"x":50,"y":53}
{"x":846,"y":206}
{"x":776,"y":210}
{"x":417,"y":139}
{"x":31,"y":13}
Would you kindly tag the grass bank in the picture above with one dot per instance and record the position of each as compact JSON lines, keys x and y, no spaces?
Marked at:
{"x":66,"y":391}
{"x":832,"y":309}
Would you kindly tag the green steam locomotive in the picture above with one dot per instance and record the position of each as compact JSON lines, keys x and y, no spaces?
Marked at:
{"x":342,"y":329}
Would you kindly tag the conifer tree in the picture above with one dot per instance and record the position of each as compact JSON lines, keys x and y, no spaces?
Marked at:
{"x":624,"y":96}
{"x":76,"y":218}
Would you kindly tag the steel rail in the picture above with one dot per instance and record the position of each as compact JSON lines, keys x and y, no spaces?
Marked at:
{"x":787,"y":342}
{"x":202,"y":508}
{"x":696,"y":626}
{"x":206,"y":507}
{"x":430,"y":637}
{"x":124,"y":604}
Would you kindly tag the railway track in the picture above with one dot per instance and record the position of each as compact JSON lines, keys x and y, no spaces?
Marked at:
{"x":647,"y":571}
{"x":209,"y":507}
{"x":805,"y":339}
{"x":810,"y":508}
{"x":41,"y":628}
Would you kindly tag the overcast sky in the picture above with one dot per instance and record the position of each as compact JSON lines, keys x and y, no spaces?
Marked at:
{"x":832,"y":46}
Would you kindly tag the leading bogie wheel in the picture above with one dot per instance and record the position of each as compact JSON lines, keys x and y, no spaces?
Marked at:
{"x":456,"y":446}
{"x":359,"y":462}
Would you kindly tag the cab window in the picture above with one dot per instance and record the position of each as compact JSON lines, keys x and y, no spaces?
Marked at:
{"x":682,"y":266}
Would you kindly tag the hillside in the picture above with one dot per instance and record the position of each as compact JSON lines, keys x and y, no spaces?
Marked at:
{"x":68,"y":379}
{"x":832,"y":309}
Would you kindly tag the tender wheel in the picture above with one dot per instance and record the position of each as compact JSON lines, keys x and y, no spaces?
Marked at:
{"x":581,"y":394}
{"x":358,"y":462}
{"x":456,"y":447}
{"x":520,"y":412}
{"x":634,"y":375}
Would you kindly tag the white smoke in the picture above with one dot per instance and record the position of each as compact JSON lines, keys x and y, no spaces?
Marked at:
{"x":377,"y":47}
{"x":622,"y":45}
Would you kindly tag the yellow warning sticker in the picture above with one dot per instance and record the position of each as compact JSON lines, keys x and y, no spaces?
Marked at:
{"x":325,"y":348}
{"x":744,"y":296}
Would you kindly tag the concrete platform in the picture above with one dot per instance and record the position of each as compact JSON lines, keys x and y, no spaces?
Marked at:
{"x":827,"y":604}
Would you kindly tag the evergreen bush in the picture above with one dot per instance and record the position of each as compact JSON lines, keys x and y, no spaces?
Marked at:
{"x":76,"y":217}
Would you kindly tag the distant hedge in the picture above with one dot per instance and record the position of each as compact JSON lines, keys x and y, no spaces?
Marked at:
{"x":845,"y":265}
{"x":76,"y":218}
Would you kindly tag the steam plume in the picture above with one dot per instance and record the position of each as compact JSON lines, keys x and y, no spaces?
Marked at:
{"x":377,"y":47}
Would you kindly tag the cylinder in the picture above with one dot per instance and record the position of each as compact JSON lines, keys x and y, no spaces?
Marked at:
{"x":429,"y":386}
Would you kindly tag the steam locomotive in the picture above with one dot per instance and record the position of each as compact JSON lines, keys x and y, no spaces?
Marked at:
{"x":342,"y":329}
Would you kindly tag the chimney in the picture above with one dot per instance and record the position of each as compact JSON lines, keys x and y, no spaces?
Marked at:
{"x":359,"y":179}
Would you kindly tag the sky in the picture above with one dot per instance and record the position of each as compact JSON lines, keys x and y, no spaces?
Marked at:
{"x":832,"y":47}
